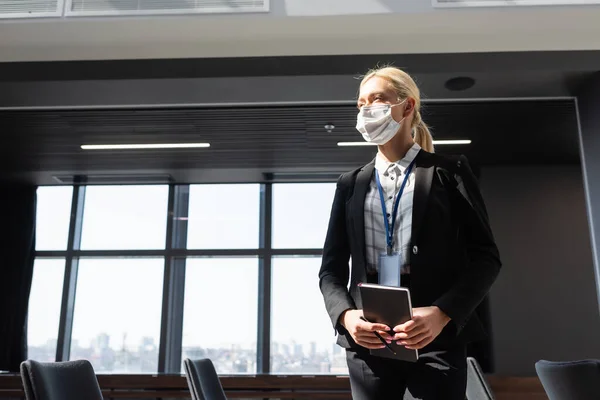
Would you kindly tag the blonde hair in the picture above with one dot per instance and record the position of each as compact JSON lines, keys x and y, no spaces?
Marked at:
{"x":406,"y":87}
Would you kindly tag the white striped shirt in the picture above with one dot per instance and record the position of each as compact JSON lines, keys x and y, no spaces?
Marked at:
{"x":391,"y":176}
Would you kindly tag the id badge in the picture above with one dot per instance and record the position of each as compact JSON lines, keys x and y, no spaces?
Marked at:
{"x":389,"y":269}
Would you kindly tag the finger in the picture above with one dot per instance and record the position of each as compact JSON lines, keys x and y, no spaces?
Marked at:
{"x":386,"y":335}
{"x":378,"y":327}
{"x":370,"y":336}
{"x":407,"y":326}
{"x":370,"y":344}
{"x":370,"y":327}
{"x":421,"y":344}
{"x":413,"y":340}
{"x":370,"y":340}
{"x":410,"y":334}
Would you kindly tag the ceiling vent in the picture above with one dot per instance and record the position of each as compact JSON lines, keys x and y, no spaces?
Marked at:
{"x":289,"y":177}
{"x":30,"y":8}
{"x":508,"y":3}
{"x":114,"y":179}
{"x":162,"y":7}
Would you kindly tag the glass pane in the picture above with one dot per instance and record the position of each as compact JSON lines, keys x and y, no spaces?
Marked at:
{"x":302,"y":337}
{"x":220,"y":312}
{"x":53,"y":215}
{"x":44,"y":308}
{"x":301,"y":214}
{"x":223,"y":217}
{"x":117,"y":314}
{"x":125,"y":217}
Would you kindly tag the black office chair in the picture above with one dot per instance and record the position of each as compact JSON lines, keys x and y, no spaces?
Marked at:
{"x":570,"y":380}
{"x":477,"y":386}
{"x":68,"y":380}
{"x":203,"y":380}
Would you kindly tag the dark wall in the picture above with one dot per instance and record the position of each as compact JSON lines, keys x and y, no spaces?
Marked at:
{"x":588,"y":101}
{"x":544,"y":303}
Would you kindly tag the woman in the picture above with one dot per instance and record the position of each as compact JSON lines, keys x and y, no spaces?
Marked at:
{"x":439,"y":241}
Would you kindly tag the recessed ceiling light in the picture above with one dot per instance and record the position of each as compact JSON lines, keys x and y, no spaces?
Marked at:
{"x":148,"y":146}
{"x":460,"y":83}
{"x":435,"y":142}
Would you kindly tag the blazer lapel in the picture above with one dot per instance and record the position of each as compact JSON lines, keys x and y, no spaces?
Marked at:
{"x":423,"y":180}
{"x":363,"y":180}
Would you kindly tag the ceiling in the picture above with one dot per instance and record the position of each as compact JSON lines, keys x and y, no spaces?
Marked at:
{"x":301,"y":80}
{"x":510,"y":62}
{"x":306,"y":27}
{"x":266,"y":115}
{"x":249,"y":142}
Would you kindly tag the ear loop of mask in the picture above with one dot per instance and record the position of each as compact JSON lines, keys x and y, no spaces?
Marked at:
{"x":403,"y":118}
{"x":398,"y":104}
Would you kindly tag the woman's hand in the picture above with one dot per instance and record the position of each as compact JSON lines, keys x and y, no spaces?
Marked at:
{"x":426,"y":324}
{"x":363,"y":332}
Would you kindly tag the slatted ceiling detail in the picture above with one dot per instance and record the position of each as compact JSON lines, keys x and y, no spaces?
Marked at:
{"x":131,"y":7}
{"x":274,"y":138}
{"x":230,"y":120}
{"x":8,"y":7}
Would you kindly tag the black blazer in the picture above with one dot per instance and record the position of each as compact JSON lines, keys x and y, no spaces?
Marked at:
{"x":454,"y":259}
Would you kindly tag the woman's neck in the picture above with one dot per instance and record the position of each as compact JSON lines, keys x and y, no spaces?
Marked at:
{"x":396,"y":149}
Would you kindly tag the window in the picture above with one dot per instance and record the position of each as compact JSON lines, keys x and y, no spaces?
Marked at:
{"x":125,"y":218}
{"x":302,"y":337}
{"x":221,"y":312}
{"x":44,"y":308}
{"x":53,"y":215}
{"x":223,"y":217}
{"x":119,"y":266}
{"x":301,"y":214}
{"x":117,"y":317}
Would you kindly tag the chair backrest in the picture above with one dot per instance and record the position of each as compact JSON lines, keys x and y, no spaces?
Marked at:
{"x":203,"y":380}
{"x":572,"y":380}
{"x":477,"y":386}
{"x":68,"y":380}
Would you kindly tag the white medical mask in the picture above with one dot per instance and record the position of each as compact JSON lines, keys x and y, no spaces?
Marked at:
{"x":376,"y":124}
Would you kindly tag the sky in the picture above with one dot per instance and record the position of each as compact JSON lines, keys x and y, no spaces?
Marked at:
{"x":122,"y":297}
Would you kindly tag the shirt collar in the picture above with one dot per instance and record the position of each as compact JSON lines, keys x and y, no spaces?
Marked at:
{"x":382,"y":165}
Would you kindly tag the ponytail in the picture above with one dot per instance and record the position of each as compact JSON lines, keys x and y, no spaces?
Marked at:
{"x":422,"y":134}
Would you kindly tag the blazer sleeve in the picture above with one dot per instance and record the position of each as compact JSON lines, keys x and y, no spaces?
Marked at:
{"x":483,"y":259}
{"x":335,"y":270}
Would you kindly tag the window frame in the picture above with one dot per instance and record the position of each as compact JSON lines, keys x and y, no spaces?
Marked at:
{"x":175,"y":255}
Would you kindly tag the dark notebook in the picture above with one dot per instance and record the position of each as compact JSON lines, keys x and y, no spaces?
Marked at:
{"x":390,"y":306}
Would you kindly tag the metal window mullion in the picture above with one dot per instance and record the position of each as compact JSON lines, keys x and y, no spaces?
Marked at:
{"x":263,"y":351}
{"x":181,"y":253}
{"x":169,"y":360}
{"x":67,"y":309}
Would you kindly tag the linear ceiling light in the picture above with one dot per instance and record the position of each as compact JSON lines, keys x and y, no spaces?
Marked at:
{"x":435,"y":142}
{"x":444,"y":142}
{"x":151,"y":146}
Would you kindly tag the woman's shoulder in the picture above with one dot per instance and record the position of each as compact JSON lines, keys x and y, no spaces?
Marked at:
{"x":454,"y":163}
{"x":348,"y":178}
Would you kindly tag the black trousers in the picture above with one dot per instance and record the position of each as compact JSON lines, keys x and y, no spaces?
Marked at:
{"x":439,"y":374}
